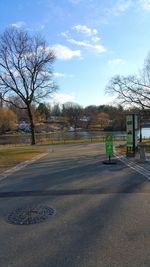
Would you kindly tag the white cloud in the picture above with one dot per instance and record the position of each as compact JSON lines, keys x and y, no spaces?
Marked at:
{"x":106,"y":100}
{"x":83,"y":29}
{"x":116,"y":61}
{"x":65,"y":34}
{"x":64,"y":53}
{"x":145,"y":4}
{"x":75,"y":2}
{"x":95,"y":39}
{"x":18,"y":24}
{"x":62,"y":98}
{"x":120,"y":7}
{"x":98,"y":48}
{"x":91,"y":39}
{"x":63,"y":75}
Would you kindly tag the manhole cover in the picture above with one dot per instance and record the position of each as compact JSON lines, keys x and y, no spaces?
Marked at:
{"x":30,"y":215}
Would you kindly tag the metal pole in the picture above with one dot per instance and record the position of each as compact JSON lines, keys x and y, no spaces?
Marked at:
{"x":140,"y":128}
{"x":133,"y":120}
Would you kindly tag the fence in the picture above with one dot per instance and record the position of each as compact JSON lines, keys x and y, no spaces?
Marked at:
{"x":56,"y":138}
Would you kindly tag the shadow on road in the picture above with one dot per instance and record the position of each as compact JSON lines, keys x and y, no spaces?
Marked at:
{"x":90,"y":231}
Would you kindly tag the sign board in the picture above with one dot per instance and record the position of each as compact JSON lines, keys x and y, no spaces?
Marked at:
{"x":129,"y":127}
{"x":132,"y":130}
{"x":109,"y":145}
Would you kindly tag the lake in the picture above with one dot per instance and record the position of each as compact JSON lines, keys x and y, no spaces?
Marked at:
{"x":57,"y":136}
{"x":145,"y":132}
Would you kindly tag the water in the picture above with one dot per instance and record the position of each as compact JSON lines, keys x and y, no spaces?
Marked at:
{"x":145,"y":132}
{"x":25,"y":138}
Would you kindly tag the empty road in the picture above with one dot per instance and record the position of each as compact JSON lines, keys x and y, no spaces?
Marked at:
{"x":102,"y":212}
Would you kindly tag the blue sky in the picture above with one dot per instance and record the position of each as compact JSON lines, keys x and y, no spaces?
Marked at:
{"x":93,"y":40}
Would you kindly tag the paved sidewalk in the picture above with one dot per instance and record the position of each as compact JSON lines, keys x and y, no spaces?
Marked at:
{"x":142,"y":167}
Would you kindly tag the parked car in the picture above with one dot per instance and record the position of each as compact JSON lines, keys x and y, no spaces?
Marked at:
{"x":23,"y":126}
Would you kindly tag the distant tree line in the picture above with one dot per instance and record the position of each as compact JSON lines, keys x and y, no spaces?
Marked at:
{"x":103,"y":117}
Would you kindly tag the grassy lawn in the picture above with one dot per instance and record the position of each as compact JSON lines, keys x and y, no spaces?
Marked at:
{"x":55,"y":142}
{"x":10,"y":157}
{"x":78,"y":141}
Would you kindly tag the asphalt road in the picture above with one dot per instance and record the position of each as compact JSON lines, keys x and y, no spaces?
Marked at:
{"x":102,"y":214}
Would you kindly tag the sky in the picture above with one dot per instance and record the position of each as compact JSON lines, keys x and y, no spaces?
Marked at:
{"x":93,"y":40}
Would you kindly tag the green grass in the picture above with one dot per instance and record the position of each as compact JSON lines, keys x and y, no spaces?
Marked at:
{"x":55,"y":142}
{"x":10,"y":157}
{"x":73,"y":141}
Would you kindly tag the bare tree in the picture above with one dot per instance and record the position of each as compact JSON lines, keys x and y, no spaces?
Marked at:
{"x":133,"y":90}
{"x":73,"y":112}
{"x":130,"y":91}
{"x":102,"y":120}
{"x":25,"y":70}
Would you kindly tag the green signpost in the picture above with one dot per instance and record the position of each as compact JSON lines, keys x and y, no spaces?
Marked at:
{"x":109,"y":149}
{"x":109,"y":145}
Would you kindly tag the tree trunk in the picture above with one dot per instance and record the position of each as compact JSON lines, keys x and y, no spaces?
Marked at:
{"x":32,"y":126}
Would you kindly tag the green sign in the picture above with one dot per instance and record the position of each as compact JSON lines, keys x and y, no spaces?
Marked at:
{"x":109,"y":144}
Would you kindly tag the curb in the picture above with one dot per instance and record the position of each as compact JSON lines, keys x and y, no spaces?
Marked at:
{"x":20,"y":166}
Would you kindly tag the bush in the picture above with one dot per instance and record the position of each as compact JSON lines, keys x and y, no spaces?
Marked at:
{"x":8,"y":120}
